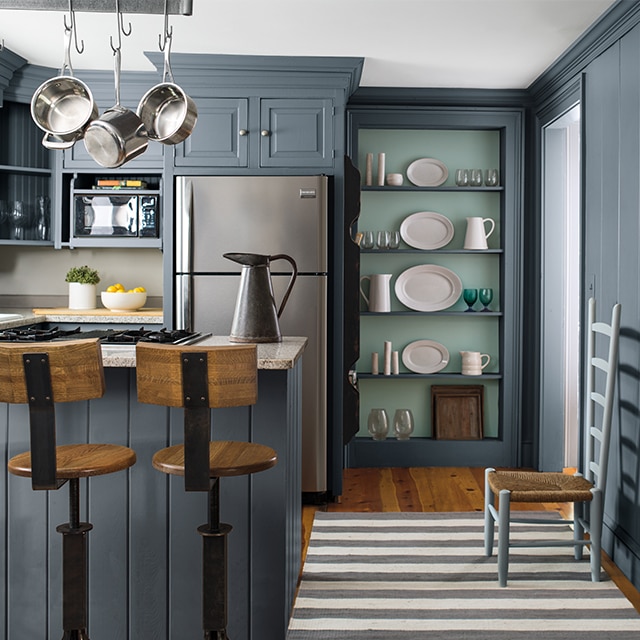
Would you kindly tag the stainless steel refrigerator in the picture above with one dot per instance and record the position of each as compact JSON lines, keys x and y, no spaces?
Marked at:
{"x":267,"y":215}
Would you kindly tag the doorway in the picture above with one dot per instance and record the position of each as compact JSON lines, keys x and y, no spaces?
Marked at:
{"x":560,"y":292}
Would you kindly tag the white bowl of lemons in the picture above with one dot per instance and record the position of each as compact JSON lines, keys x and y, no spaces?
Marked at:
{"x":117,"y":298}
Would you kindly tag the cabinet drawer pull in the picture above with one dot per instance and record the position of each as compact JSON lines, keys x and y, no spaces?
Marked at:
{"x":243,"y":132}
{"x":265,"y":133}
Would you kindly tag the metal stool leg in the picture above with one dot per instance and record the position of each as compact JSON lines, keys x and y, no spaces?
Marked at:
{"x":214,"y":569}
{"x":74,"y":568}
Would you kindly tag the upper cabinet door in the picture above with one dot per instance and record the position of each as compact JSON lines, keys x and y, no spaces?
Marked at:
{"x":296,"y":133}
{"x":220,"y":137}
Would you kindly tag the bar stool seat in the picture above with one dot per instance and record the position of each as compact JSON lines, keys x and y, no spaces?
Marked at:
{"x":226,"y":458}
{"x":79,"y":461}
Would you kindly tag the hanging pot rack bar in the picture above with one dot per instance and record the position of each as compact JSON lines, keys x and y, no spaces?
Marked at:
{"x":174,"y":7}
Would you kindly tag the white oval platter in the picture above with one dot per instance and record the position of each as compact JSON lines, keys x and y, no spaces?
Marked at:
{"x":427,"y":172}
{"x":427,"y":230}
{"x":428,"y":287}
{"x":425,"y":356}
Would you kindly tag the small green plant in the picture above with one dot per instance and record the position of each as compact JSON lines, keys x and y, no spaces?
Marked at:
{"x":83,"y":275}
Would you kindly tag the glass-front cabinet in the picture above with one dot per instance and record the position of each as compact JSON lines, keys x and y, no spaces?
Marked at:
{"x":440,"y":293}
{"x":25,"y":179}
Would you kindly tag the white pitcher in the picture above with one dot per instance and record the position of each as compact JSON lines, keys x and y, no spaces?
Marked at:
{"x":476,"y":236}
{"x":473,"y":362}
{"x":379,"y":296}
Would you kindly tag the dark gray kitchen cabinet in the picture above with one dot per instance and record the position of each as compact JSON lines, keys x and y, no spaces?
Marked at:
{"x":260,"y":133}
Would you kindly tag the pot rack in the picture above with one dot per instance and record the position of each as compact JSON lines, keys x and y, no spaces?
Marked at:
{"x":175,"y":7}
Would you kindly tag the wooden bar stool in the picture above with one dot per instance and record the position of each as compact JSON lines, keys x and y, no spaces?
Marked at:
{"x":41,"y":375}
{"x":199,"y":378}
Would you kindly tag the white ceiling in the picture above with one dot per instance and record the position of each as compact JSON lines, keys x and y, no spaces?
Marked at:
{"x":406,"y":43}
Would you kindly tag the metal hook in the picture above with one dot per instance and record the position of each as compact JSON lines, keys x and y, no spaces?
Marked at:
{"x":72,"y":28}
{"x":2,"y":44}
{"x":168,"y":32}
{"x":121,"y":30}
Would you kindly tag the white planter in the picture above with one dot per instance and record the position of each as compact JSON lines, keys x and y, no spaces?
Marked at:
{"x":82,"y":296}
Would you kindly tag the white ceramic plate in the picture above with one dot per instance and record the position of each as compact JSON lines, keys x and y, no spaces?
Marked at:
{"x":427,"y":230}
{"x":428,"y":287}
{"x":427,"y":172}
{"x":425,"y":356}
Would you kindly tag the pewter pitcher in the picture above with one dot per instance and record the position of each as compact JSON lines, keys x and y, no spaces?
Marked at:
{"x":256,"y":314}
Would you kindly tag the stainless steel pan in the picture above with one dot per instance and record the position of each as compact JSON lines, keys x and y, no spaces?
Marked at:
{"x":119,"y":134}
{"x":63,"y":106}
{"x":168,"y":113}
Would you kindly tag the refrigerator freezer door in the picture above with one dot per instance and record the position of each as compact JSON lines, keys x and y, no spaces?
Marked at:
{"x":254,"y":214}
{"x":213,"y":302}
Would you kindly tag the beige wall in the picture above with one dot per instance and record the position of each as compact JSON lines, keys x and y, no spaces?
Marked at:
{"x":41,"y":270}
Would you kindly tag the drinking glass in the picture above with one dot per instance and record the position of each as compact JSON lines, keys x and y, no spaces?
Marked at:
{"x":43,"y":218}
{"x":491,"y":178}
{"x":403,"y":423}
{"x":470,"y":296}
{"x":462,"y":177}
{"x":486,"y":296}
{"x":382,"y":240}
{"x":378,"y":424}
{"x":475,"y":178}
{"x":368,"y":240}
{"x":20,"y":218}
{"x":394,"y":239}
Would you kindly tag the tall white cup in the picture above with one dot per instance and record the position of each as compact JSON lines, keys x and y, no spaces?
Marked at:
{"x":473,"y":362}
{"x":476,"y":235}
{"x":379,"y":298}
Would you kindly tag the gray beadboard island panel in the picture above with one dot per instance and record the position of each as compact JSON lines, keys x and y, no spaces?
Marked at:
{"x":145,"y":552}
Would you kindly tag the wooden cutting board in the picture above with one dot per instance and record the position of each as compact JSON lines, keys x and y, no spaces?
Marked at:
{"x":62,"y":311}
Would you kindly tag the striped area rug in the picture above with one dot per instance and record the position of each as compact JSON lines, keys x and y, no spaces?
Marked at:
{"x":413,"y":575}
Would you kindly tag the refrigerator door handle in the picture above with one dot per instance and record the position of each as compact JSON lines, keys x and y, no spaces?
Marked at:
{"x":184,"y":311}
{"x":184,"y":211}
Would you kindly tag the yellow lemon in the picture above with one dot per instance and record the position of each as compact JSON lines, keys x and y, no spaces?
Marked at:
{"x":111,"y":289}
{"x":119,"y":287}
{"x":139,"y":289}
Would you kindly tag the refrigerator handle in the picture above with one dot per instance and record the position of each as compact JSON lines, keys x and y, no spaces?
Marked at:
{"x":184,"y":211}
{"x":183,"y":306}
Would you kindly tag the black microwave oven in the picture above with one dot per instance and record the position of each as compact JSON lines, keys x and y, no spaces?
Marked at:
{"x":116,"y":215}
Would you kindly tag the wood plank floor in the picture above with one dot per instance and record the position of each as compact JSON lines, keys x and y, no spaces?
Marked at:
{"x":430,"y":489}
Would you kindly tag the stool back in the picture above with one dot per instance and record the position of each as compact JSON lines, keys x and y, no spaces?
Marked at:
{"x":42,"y":374}
{"x":231,"y":374}
{"x":197,"y":378}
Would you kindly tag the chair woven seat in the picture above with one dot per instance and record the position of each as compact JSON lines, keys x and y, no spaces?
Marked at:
{"x":226,"y":458}
{"x":531,"y":486}
{"x":79,"y":461}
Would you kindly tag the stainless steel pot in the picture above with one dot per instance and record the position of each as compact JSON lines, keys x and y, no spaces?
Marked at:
{"x":118,"y":135}
{"x":63,"y":106}
{"x":168,"y":113}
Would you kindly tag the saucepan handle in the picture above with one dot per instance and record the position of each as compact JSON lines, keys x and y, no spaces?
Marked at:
{"x":294,"y":275}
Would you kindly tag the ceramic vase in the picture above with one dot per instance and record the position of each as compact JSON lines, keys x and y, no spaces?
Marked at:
{"x":82,"y":296}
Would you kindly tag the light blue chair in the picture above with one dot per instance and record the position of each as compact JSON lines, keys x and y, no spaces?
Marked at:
{"x":582,"y":490}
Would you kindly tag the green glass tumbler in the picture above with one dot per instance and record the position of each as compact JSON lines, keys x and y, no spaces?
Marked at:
{"x":470,"y":296}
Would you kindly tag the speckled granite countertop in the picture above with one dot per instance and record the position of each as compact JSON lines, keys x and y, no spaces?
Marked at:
{"x":18,"y":317}
{"x":271,"y":355}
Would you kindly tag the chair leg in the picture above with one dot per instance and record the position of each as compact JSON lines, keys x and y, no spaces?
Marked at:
{"x":578,"y":529}
{"x":74,"y":569}
{"x":489,"y":523}
{"x":595,"y":533}
{"x":214,"y":569}
{"x":504,"y":517}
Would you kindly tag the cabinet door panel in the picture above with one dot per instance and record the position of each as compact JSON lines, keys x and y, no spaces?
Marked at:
{"x":300,"y":133}
{"x":216,"y":139}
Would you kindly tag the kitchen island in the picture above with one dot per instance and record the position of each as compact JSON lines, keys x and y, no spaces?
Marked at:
{"x":144,"y":551}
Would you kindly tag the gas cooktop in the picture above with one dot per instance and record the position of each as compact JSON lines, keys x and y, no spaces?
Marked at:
{"x":106,"y":336}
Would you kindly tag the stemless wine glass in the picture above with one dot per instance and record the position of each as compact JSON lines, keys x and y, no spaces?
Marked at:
{"x":378,"y":424}
{"x":368,"y":240}
{"x":470,"y":296}
{"x":475,"y":178}
{"x":485,"y":296}
{"x":491,"y":178}
{"x":462,"y":177}
{"x":394,"y":239}
{"x":382,"y":240}
{"x":403,"y":423}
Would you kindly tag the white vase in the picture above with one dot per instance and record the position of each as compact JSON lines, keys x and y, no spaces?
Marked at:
{"x":82,"y":296}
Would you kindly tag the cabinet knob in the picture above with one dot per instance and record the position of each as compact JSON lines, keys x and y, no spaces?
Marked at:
{"x":265,"y":133}
{"x":243,"y":132}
